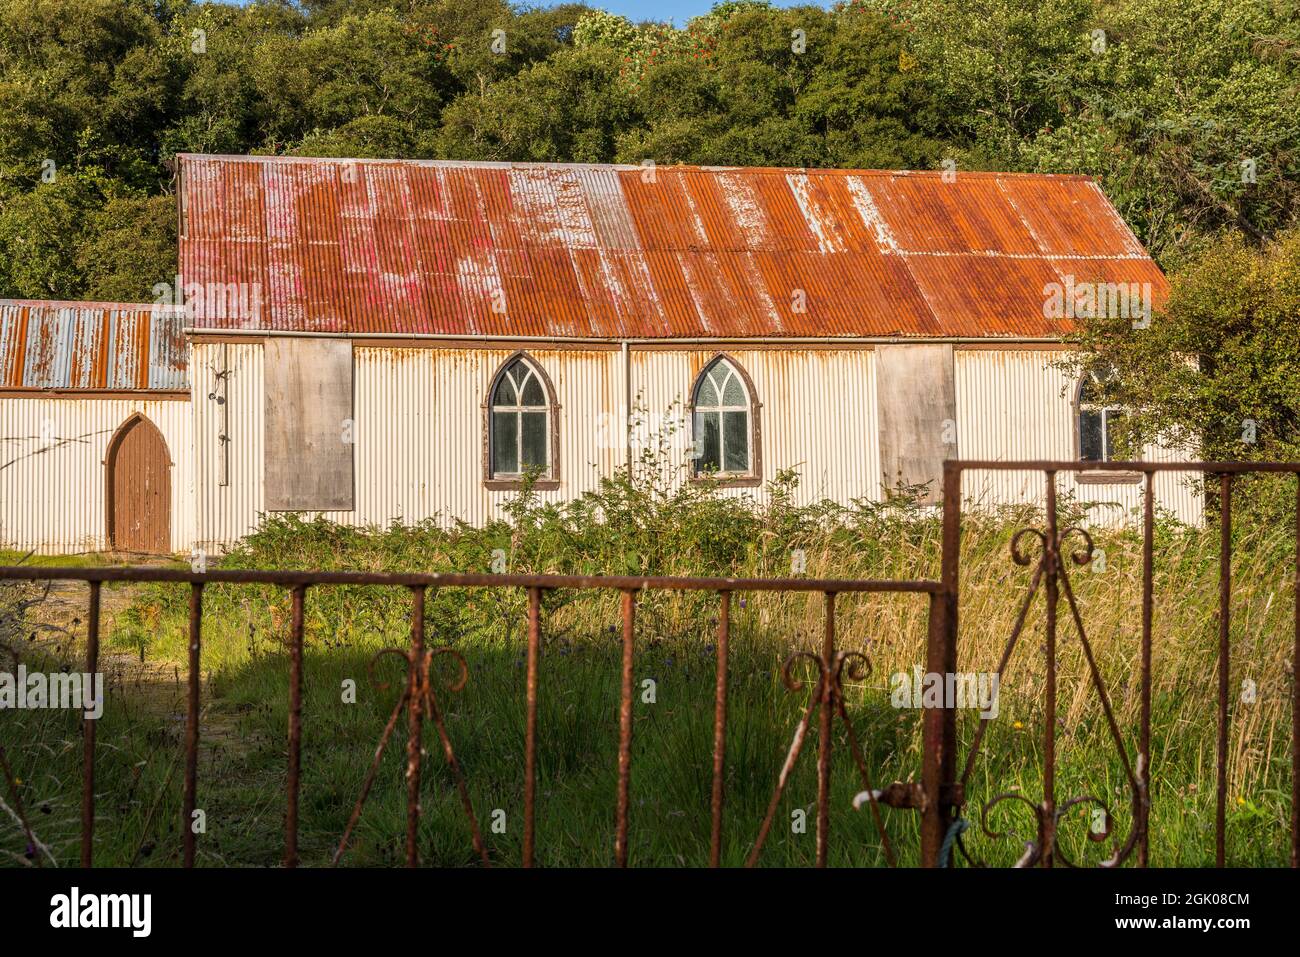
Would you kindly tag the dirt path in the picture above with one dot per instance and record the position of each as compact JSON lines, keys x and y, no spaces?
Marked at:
{"x":57,"y":625}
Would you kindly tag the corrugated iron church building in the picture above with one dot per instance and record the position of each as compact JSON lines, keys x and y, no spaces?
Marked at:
{"x":399,"y":340}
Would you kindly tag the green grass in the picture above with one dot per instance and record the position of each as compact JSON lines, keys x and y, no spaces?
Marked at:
{"x":632,"y":528}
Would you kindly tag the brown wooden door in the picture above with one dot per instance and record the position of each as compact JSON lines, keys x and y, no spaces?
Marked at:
{"x":139,"y":489}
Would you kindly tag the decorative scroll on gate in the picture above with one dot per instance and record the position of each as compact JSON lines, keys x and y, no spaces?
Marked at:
{"x":1051,"y":574}
{"x":943,"y":828}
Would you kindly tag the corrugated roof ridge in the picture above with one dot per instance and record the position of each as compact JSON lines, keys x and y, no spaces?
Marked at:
{"x":632,"y":167}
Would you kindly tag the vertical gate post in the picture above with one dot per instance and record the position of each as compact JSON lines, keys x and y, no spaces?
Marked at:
{"x":1051,"y":576}
{"x":192,"y":724}
{"x":415,"y":725}
{"x":939,"y":765}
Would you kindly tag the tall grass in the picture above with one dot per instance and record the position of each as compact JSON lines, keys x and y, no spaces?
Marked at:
{"x":647,"y":524}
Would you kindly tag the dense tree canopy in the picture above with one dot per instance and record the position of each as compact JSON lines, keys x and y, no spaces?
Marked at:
{"x":1183,"y":108}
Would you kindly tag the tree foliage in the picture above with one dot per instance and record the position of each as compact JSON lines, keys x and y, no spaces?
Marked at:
{"x":1219,"y":369}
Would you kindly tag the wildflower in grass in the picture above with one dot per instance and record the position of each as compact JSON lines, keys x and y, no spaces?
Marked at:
{"x":1017,"y":725}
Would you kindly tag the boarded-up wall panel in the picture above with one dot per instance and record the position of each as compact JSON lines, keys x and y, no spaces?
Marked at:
{"x":918,"y":414}
{"x":309,"y":426}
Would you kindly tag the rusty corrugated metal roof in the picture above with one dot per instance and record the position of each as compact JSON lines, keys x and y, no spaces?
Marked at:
{"x":555,"y":250}
{"x":92,"y":346}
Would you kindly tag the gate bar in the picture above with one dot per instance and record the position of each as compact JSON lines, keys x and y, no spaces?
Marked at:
{"x":415,"y":718}
{"x":530,"y":731}
{"x":625,"y":730}
{"x":1225,"y":598}
{"x":939,"y":758}
{"x":88,"y":734}
{"x":1144,"y":733}
{"x":289,"y":578}
{"x":720,"y":728}
{"x":295,"y":728}
{"x":824,"y":743}
{"x":192,"y":723}
{"x":1047,"y":824}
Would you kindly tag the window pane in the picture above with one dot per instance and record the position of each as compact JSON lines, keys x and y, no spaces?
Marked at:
{"x":733,"y":393}
{"x":706,"y":442}
{"x":1114,"y":422}
{"x":708,"y":395}
{"x":533,"y":394}
{"x":736,"y":445}
{"x":1090,"y":443}
{"x":534,"y":439}
{"x":505,"y":394}
{"x":505,"y":443}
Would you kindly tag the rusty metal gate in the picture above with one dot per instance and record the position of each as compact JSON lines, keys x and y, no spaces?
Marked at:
{"x":940,"y":797}
{"x":1049,"y":573}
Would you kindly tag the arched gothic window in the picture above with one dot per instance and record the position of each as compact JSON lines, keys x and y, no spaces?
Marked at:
{"x":520,"y":422}
{"x":1099,"y":419}
{"x":725,"y":439}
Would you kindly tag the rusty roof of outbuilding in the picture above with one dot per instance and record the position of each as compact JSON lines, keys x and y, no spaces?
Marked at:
{"x":566,"y":250}
{"x":92,"y":346}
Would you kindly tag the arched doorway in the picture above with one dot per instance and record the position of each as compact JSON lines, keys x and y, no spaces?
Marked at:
{"x":139,"y":489}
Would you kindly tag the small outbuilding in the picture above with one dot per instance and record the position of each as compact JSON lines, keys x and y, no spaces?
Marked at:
{"x":95,"y":428}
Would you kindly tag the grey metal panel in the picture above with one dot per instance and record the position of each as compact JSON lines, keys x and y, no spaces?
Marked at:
{"x":92,"y":345}
{"x":918,"y":415}
{"x":308,"y":425}
{"x":1016,"y":405}
{"x":168,"y":352}
{"x":123,"y":337}
{"x":47,"y":354}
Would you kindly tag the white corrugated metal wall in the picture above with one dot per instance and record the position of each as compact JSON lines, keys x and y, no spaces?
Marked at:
{"x":419,"y":427}
{"x":52,"y":481}
{"x":418,"y":433}
{"x":817,"y":412}
{"x":1016,"y":405}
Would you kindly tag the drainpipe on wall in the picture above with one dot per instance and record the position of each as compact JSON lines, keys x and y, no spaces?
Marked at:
{"x":627,"y":406}
{"x":221,"y":395}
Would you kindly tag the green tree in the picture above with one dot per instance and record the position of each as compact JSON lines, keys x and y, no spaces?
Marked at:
{"x":78,"y":76}
{"x":1218,"y":368}
{"x":128,"y":248}
{"x":569,"y":108}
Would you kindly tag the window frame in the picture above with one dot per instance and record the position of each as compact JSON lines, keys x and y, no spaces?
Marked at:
{"x":1079,"y":406}
{"x":548,"y":480}
{"x":754,"y":476}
